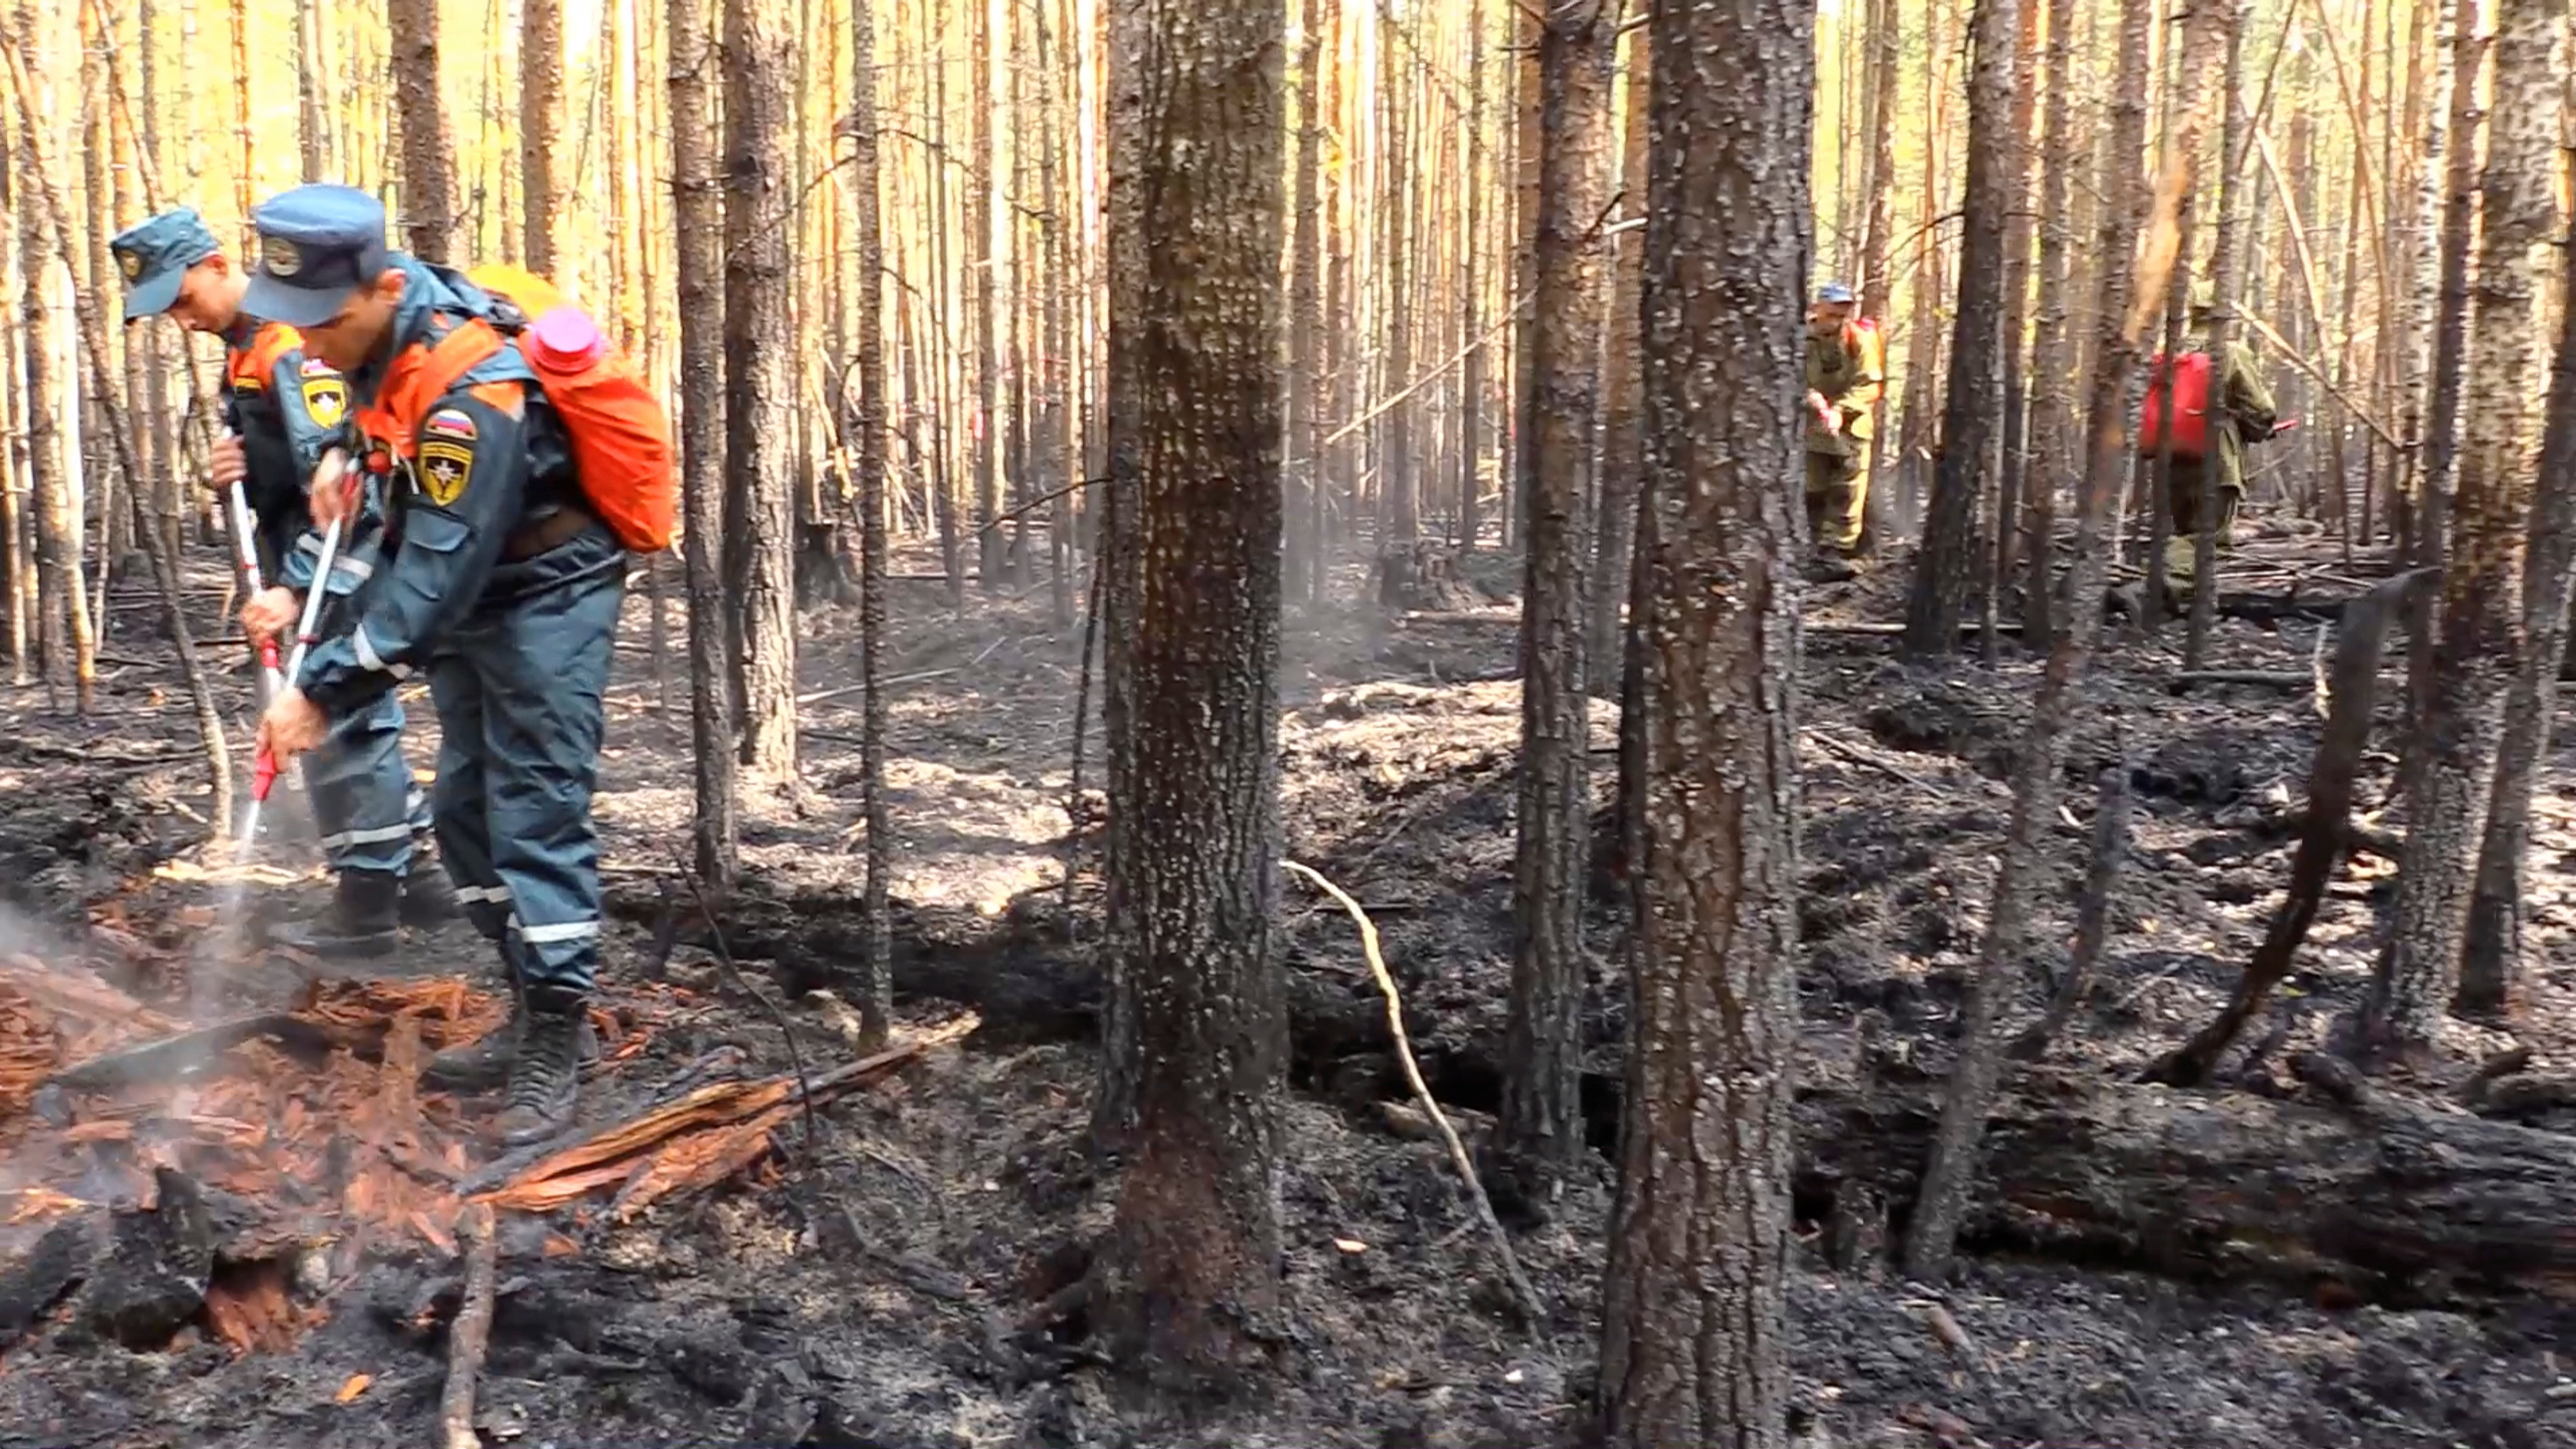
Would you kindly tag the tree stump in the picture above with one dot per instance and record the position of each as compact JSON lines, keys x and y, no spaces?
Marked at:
{"x":1422,"y":575}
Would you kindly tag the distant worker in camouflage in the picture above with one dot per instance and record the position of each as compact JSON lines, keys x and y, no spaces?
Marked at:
{"x":2244,"y":412}
{"x":1846,"y":370}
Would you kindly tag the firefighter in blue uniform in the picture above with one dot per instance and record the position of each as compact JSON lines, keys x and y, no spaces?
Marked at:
{"x":283,"y":409}
{"x":500,"y":583}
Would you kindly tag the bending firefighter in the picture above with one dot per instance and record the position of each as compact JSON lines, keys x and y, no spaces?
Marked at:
{"x":515,"y":449}
{"x":281,"y":410}
{"x":1845,"y":371}
{"x":2218,"y":406}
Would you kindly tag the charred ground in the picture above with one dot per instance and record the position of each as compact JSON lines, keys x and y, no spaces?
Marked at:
{"x":889,"y":1288}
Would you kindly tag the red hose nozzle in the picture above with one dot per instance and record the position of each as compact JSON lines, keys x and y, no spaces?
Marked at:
{"x":263,"y":774}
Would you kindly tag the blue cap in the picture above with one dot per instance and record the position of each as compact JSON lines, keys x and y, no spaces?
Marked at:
{"x":155,"y":256}
{"x":318,"y":244}
{"x":1836,"y":292}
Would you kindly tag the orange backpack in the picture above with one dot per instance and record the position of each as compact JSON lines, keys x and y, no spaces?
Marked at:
{"x":621,"y":438}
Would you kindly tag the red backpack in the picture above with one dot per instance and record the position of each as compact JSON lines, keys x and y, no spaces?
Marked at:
{"x":2191,"y":376}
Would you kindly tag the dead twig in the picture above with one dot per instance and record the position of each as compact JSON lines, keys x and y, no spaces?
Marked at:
{"x":777,"y":1013}
{"x":471,"y":1333}
{"x":1521,"y":1290}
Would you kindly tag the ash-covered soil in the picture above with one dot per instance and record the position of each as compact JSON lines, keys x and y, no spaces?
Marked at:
{"x":875,"y":1292}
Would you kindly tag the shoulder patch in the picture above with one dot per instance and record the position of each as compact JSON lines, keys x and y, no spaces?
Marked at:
{"x":448,"y":423}
{"x":445,"y":467}
{"x":326,"y":398}
{"x":314,"y":367}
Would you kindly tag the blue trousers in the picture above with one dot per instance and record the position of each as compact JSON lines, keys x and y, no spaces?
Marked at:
{"x":364,"y":800}
{"x":519,"y":689}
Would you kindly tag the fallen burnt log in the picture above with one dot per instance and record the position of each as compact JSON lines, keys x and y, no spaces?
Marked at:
{"x":2375,"y":1197}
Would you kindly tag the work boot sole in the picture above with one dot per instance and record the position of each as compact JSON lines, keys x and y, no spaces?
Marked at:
{"x":370,"y":947}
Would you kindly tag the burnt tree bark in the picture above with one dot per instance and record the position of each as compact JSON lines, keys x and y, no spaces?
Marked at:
{"x":698,"y":204}
{"x":1304,"y":562}
{"x":1188,"y":1281}
{"x":2012,"y":484}
{"x":66,"y":641}
{"x":1541,"y":1135}
{"x":991,"y":553}
{"x":1932,"y":1240}
{"x":868,"y":429}
{"x":760,"y":386}
{"x":1945,"y":570}
{"x":2481,"y":644}
{"x":541,"y":79}
{"x":1694,"y":1327}
{"x":429,"y":203}
{"x":2491,"y":961}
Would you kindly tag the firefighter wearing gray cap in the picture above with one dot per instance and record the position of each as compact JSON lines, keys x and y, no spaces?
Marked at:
{"x":1845,"y":371}
{"x":282,"y":409}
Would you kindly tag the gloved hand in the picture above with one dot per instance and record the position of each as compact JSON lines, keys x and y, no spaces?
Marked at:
{"x":1827,"y":417}
{"x":270,"y":613}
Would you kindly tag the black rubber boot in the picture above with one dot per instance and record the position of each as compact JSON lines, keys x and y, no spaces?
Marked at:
{"x":363,"y":920}
{"x":545,"y":1079}
{"x":428,"y":897}
{"x":484,"y":1063}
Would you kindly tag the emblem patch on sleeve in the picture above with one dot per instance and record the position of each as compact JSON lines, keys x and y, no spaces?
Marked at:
{"x":445,"y":468}
{"x":326,"y":399}
{"x":448,"y":423}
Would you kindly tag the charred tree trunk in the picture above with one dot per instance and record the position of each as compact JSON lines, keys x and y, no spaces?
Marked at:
{"x":2012,"y":487}
{"x":760,"y":387}
{"x":1541,"y":1123}
{"x":541,"y":79}
{"x":1188,"y":1285}
{"x":2482,"y":644}
{"x":697,"y":204}
{"x":1399,"y":482}
{"x":2491,"y":966}
{"x":1933,"y":1237}
{"x":1690,"y":1356}
{"x":312,"y":76}
{"x":868,"y":429}
{"x":1946,"y":568}
{"x":1878,"y":275}
{"x":429,"y":203}
{"x":1471,"y":375}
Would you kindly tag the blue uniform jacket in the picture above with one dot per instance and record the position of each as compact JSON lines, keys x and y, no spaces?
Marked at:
{"x":485,"y":460}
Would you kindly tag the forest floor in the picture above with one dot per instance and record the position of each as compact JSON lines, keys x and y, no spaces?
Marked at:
{"x":871,"y":1286}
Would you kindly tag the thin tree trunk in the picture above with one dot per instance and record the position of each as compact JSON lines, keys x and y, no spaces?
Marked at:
{"x":46,"y":185}
{"x":2491,"y":966}
{"x":429,"y":201}
{"x":2222,"y":329}
{"x":64,"y":635}
{"x":1399,"y":481}
{"x":312,"y":74}
{"x":1622,"y":442}
{"x":876,"y":997}
{"x":1188,"y":1278}
{"x":697,"y":205}
{"x":991,"y":567}
{"x":1932,"y":1238}
{"x":1306,"y":312}
{"x":541,"y":83}
{"x":2482,"y":646}
{"x":760,"y":387}
{"x":1945,"y":570}
{"x":1539,"y":1130}
{"x":2021,"y":236}
{"x":1694,"y":1345}
{"x":2054,"y":377}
